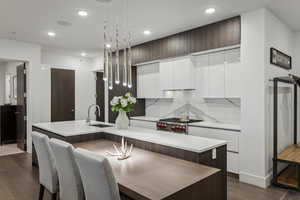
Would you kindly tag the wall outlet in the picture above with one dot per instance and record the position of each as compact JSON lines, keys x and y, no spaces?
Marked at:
{"x":214,"y":154}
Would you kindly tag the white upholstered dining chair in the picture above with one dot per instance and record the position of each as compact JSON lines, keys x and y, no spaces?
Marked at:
{"x":97,"y":176}
{"x":47,"y":169}
{"x":70,"y":184}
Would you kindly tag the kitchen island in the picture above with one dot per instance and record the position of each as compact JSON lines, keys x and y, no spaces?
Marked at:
{"x":203,"y":151}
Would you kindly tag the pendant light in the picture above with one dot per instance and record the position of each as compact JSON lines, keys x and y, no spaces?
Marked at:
{"x":110,"y":71}
{"x":129,"y":62}
{"x":125,"y":67}
{"x":112,"y":50}
{"x":105,"y":55}
{"x":117,"y":68}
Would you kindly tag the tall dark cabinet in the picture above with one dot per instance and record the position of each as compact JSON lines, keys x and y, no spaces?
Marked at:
{"x":8,"y":124}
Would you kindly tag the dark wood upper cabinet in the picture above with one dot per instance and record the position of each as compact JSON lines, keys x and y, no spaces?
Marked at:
{"x":212,"y":36}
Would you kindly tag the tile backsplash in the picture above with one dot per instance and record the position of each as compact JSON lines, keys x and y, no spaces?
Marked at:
{"x":221,"y":110}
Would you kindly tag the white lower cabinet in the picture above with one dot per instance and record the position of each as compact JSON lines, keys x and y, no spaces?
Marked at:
{"x":233,"y":164}
{"x":232,"y":137}
{"x":143,"y":124}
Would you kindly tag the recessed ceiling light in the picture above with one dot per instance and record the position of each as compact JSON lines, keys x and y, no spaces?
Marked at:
{"x":83,"y":54}
{"x":210,"y":11}
{"x":147,"y":32}
{"x":51,"y":34}
{"x":82,"y":13}
{"x":108,"y":45}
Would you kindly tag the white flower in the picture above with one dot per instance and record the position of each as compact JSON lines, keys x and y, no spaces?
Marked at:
{"x":124,"y":102}
{"x":115,"y":101}
{"x":128,"y":94}
{"x":132,"y":100}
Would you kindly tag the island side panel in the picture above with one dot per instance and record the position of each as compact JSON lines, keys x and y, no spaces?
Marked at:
{"x":205,"y":158}
{"x":207,"y":189}
{"x":220,"y":162}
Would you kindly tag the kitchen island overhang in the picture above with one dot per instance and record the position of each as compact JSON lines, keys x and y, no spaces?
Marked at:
{"x":199,"y":150}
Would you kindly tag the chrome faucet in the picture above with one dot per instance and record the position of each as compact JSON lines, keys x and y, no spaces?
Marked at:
{"x":88,"y":120}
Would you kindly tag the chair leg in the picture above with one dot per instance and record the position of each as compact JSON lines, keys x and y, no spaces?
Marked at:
{"x":54,"y":196}
{"x":42,"y":190}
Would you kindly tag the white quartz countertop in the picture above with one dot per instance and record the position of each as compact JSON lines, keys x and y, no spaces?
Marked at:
{"x":185,"y":142}
{"x":204,"y":124}
{"x":70,"y":128}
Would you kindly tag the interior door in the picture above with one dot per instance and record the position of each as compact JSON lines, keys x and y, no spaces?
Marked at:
{"x":100,"y":100}
{"x":21,"y":107}
{"x":62,"y":95}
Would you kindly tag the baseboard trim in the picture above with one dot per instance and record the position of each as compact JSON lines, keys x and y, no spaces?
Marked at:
{"x":259,"y":181}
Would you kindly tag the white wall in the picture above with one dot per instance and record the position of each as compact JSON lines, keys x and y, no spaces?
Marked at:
{"x":279,"y":36}
{"x":296,"y":51}
{"x":37,"y":97}
{"x":261,"y":30}
{"x":10,"y":68}
{"x":252,"y":139}
{"x":98,"y":63}
{"x":85,"y":82}
{"x":38,"y":80}
{"x":2,"y":83}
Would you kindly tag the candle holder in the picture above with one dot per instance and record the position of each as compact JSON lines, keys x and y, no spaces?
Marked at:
{"x":123,"y":152}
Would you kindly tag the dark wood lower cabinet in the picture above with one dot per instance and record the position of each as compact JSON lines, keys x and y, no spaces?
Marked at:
{"x":8,"y":124}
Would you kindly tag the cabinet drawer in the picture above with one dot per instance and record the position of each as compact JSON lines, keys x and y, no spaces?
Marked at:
{"x":143,"y":124}
{"x":230,"y":136}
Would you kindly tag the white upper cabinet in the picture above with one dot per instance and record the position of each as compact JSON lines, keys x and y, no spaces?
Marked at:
{"x":177,"y":75}
{"x":148,"y":81}
{"x":166,"y":75}
{"x":213,"y":75}
{"x":183,"y":74}
{"x":202,"y":75}
{"x":218,"y":75}
{"x":233,"y":74}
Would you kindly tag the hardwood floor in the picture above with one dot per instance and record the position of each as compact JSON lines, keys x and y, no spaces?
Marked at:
{"x":19,"y":181}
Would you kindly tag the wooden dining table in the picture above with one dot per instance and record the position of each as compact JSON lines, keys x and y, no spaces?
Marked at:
{"x":149,"y":175}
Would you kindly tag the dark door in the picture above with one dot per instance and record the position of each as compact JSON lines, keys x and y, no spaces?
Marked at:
{"x":100,"y":100}
{"x":62,"y":95}
{"x":21,"y":107}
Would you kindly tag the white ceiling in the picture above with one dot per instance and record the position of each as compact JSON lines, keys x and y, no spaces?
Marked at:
{"x":30,"y":20}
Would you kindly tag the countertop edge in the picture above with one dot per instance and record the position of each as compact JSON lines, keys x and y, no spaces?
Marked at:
{"x":193,"y":125}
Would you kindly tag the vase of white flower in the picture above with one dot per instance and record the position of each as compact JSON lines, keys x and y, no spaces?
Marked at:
{"x":122,"y":121}
{"x":123,"y":105}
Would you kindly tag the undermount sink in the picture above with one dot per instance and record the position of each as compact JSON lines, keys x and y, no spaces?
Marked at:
{"x":101,"y":125}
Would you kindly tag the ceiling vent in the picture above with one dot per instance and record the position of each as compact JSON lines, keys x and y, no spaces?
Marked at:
{"x":64,"y":23}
